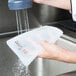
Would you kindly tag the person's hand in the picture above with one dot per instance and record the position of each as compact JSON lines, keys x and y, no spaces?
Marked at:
{"x":55,"y":52}
{"x":50,"y":51}
{"x":64,"y":4}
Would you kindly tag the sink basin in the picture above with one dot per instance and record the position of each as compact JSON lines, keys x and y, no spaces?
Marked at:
{"x":10,"y":65}
{"x":45,"y":67}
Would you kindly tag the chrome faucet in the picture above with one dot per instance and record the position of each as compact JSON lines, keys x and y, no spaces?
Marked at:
{"x":20,"y":7}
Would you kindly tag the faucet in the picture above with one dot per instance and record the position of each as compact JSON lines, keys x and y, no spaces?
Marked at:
{"x":19,"y":4}
{"x":20,"y":7}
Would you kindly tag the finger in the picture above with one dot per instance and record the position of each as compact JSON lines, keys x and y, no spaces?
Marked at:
{"x":43,"y":54}
{"x":45,"y":44}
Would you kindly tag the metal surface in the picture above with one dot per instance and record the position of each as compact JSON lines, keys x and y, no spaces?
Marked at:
{"x":32,"y":22}
{"x":73,"y":73}
{"x":47,"y":14}
{"x":10,"y":65}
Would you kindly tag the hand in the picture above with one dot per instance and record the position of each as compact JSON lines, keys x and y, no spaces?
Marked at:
{"x":51,"y":50}
{"x":54,"y":52}
{"x":64,"y":4}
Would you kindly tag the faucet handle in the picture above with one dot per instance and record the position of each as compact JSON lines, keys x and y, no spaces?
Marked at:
{"x":19,"y":4}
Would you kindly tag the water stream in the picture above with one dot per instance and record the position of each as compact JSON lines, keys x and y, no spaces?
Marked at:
{"x":22,"y":22}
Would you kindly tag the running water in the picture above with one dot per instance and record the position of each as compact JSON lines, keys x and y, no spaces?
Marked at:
{"x":22,"y":22}
{"x":27,"y":71}
{"x":20,"y":70}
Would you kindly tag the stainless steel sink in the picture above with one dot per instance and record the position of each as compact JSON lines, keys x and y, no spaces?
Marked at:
{"x":45,"y":67}
{"x":10,"y":65}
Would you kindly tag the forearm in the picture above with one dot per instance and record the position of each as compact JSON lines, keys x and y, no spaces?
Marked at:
{"x":64,"y":4}
{"x":67,"y":56}
{"x":55,"y":52}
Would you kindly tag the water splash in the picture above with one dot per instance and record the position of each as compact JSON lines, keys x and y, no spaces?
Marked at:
{"x":20,"y":70}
